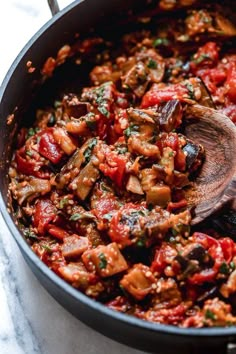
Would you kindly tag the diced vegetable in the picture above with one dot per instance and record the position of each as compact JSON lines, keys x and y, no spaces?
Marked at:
{"x":73,"y":107}
{"x":170,"y":115}
{"x":73,"y":246}
{"x":86,"y":179}
{"x":105,"y":260}
{"x":45,"y":212}
{"x":159,"y":195}
{"x":48,"y":147}
{"x":138,"y":282}
{"x":64,"y":141}
{"x":133,"y":185}
{"x":31,"y":189}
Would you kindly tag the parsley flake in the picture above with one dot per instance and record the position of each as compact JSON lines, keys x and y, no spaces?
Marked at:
{"x":224,"y":269}
{"x":103,"y":261}
{"x":89,"y":150}
{"x":210,"y":315}
{"x":160,"y":41}
{"x":152,"y":64}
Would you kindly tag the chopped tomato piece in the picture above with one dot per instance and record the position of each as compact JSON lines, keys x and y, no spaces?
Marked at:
{"x":114,"y":168}
{"x":57,"y":232}
{"x":49,"y":148}
{"x":29,"y":167}
{"x":45,"y":212}
{"x":157,"y":94}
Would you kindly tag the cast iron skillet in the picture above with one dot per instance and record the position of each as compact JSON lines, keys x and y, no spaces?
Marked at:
{"x":18,"y":90}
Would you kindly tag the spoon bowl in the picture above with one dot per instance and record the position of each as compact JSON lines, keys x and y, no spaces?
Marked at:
{"x":215,"y":185}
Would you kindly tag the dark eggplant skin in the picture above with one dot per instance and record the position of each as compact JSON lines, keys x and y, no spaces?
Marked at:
{"x":192,"y":150}
{"x":16,"y":94}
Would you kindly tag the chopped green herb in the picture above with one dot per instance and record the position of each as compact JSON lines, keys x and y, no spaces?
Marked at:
{"x":88,"y":151}
{"x":121,"y":149}
{"x":174,"y":232}
{"x":29,"y":153}
{"x":210,"y":315}
{"x":63,"y":202}
{"x":201,"y":58}
{"x":57,"y":104}
{"x":204,"y":17}
{"x":75,"y":217}
{"x":103,"y":261}
{"x":141,"y":242}
{"x":190,"y":90}
{"x":104,"y":111}
{"x":160,"y":41}
{"x":232,"y":265}
{"x":47,"y":248}
{"x":180,"y":229}
{"x":91,"y":124}
{"x":171,"y":153}
{"x":224,"y":269}
{"x":126,"y":88}
{"x":29,"y":234}
{"x":30,"y":133}
{"x":81,"y":216}
{"x":150,"y":207}
{"x":138,"y":213}
{"x":105,"y":187}
{"x":51,"y":120}
{"x":131,"y":130}
{"x":152,"y":64}
{"x":108,"y":216}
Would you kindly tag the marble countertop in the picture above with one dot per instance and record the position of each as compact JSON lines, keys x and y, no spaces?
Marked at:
{"x":31,"y":321}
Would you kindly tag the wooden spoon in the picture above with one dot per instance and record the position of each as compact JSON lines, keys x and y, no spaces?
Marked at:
{"x":215,"y":185}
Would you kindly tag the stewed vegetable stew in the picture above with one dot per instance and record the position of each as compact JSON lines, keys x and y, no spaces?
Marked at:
{"x":98,"y":181}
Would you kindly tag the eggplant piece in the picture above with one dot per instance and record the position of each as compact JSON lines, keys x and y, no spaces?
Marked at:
{"x":159,"y":195}
{"x":133,"y":185}
{"x":208,"y":294}
{"x":73,"y":246}
{"x":206,"y":99}
{"x":170,"y":115}
{"x":198,"y":253}
{"x":105,"y":260}
{"x":138,"y":281}
{"x":73,"y":107}
{"x":28,"y":190}
{"x":86,"y":179}
{"x":64,"y":140}
{"x":188,"y":267}
{"x":136,"y":79}
{"x":194,"y":155}
{"x":141,"y":115}
{"x":71,"y":169}
{"x":191,"y":261}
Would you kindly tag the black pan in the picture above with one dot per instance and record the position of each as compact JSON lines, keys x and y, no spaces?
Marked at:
{"x":17,"y":93}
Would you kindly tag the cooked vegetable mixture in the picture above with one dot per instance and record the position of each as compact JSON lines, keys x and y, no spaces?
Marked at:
{"x":98,"y":182}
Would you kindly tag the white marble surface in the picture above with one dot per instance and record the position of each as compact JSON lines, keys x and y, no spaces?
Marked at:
{"x":31,"y":321}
